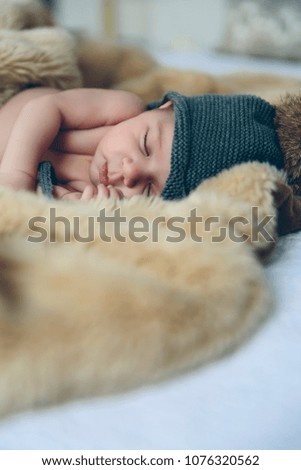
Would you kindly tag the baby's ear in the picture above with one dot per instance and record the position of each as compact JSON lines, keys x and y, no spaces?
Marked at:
{"x":166,"y":105}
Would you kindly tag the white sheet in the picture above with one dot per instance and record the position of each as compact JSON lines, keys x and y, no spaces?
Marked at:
{"x":249,"y":400}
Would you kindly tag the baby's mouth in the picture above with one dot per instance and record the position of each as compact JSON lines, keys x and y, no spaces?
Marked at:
{"x":103,"y":174}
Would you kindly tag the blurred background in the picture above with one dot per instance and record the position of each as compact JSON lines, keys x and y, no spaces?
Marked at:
{"x":168,"y":24}
{"x":269,"y":28}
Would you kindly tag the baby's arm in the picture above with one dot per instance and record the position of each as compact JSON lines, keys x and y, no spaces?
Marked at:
{"x":41,"y":119}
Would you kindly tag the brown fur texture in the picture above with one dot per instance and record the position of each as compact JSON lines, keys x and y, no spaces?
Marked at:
{"x":104,"y":65}
{"x":288,"y":207}
{"x":37,"y":57}
{"x":192,"y":82}
{"x":158,"y":81}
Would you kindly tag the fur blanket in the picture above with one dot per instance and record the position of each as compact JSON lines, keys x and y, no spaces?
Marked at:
{"x":90,"y":307}
{"x":87,"y":309}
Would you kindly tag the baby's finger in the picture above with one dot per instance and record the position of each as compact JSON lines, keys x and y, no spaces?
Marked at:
{"x":115,"y":192}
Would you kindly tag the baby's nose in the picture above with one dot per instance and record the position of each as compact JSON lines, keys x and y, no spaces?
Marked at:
{"x":132,"y":172}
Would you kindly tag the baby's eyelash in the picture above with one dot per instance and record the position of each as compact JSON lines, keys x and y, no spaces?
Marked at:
{"x":145,"y":147}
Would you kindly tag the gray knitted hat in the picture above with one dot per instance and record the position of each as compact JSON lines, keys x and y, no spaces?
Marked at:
{"x":215,"y":132}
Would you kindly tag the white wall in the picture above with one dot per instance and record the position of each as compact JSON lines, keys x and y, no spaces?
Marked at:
{"x":172,"y":24}
{"x":167,"y":24}
{"x":81,"y":15}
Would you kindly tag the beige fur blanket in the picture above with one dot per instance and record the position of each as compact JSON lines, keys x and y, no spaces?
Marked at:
{"x":88,"y":307}
{"x":97,"y":298}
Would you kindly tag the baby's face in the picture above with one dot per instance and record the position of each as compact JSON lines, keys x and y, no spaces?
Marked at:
{"x":134,"y":155}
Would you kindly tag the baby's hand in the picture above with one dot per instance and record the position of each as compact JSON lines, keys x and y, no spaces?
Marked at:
{"x":109,"y":192}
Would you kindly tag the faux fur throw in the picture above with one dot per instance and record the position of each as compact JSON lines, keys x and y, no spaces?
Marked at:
{"x":97,"y":298}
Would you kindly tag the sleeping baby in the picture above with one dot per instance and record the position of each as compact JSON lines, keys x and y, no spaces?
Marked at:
{"x":100,"y":142}
{"x":106,"y":143}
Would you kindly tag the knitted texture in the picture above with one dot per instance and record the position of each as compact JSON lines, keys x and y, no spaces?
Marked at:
{"x":215,"y":132}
